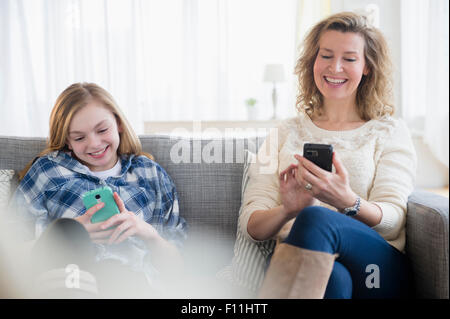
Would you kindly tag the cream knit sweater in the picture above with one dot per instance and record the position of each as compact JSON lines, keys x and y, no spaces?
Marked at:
{"x":379,"y":157}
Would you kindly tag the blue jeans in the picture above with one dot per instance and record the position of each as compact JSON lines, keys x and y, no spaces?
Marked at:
{"x":367,"y":265}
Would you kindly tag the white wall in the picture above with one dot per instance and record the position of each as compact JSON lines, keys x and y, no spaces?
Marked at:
{"x":430,"y":172}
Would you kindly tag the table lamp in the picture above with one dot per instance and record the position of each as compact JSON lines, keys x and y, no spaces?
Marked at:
{"x":274,"y":73}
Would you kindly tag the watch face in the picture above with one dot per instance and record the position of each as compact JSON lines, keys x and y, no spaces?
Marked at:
{"x":351,"y":212}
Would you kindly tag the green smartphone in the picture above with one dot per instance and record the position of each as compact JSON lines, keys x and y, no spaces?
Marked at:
{"x":97,"y":196}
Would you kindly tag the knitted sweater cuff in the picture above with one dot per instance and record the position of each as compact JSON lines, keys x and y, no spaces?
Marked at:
{"x":391,"y":223}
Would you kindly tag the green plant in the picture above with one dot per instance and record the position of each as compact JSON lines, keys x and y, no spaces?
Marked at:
{"x":251,"y":102}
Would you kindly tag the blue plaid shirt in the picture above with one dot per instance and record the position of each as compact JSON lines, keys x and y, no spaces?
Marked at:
{"x":55,"y":183}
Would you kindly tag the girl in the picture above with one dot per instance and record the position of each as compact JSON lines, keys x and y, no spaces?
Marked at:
{"x":92,"y":145}
{"x":340,"y":234}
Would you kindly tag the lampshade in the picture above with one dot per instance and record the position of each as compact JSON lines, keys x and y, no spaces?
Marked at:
{"x":274,"y":73}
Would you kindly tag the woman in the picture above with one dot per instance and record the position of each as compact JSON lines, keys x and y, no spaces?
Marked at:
{"x":341,"y":233}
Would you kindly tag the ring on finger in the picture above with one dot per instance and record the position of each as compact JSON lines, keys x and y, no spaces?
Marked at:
{"x":308,"y":186}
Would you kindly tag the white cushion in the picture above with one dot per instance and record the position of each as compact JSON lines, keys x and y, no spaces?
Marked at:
{"x":6,"y":176}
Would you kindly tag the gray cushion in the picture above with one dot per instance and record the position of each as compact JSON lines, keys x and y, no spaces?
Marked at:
{"x":16,"y":152}
{"x":427,"y":243}
{"x":209,"y":192}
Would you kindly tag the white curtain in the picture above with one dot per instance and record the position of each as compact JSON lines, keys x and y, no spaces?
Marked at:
{"x":309,"y":12}
{"x":160,"y":59}
{"x":48,"y":45}
{"x":425,"y":71}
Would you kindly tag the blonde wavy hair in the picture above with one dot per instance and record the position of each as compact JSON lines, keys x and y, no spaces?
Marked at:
{"x":374,"y":95}
{"x":69,"y":102}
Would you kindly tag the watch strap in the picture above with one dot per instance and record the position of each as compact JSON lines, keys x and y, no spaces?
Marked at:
{"x":353,"y":210}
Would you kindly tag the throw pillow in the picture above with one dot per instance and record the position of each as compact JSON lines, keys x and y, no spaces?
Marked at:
{"x":250,"y":259}
{"x":6,"y":176}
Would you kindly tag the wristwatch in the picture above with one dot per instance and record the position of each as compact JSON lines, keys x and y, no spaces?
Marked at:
{"x":352,"y":210}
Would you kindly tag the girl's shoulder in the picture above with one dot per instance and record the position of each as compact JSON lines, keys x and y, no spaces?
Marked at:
{"x":50,"y":161}
{"x":142,"y":162}
{"x":48,"y":170}
{"x":58,"y":165}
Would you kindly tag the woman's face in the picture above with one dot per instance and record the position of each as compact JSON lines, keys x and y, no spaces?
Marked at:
{"x":339,"y":65}
{"x":94,"y":136}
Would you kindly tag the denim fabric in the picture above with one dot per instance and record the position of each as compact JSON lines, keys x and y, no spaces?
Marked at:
{"x":366,"y":267}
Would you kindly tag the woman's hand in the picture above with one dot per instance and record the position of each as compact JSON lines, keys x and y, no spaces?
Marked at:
{"x":331,"y":188}
{"x":294,"y":197}
{"x":128,"y":224}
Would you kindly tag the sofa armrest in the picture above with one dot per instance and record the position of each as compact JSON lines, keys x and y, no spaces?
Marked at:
{"x":427,"y":243}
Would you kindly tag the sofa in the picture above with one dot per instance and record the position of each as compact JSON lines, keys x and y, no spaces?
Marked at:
{"x":208,"y":174}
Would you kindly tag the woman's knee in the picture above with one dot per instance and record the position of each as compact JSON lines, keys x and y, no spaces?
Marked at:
{"x":312,"y":229}
{"x":312,"y":217}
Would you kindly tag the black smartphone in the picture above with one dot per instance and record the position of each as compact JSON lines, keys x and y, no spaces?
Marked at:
{"x":319,"y":154}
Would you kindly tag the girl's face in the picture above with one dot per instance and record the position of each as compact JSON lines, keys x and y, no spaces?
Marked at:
{"x":94,"y":136}
{"x":339,"y":65}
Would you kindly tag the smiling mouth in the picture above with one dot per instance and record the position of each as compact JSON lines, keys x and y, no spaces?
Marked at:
{"x":99,"y":152}
{"x":334,"y":81}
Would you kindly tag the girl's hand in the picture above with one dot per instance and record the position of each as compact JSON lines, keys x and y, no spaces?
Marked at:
{"x":331,"y":188}
{"x":128,"y":224}
{"x":294,"y":197}
{"x":96,"y":233}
